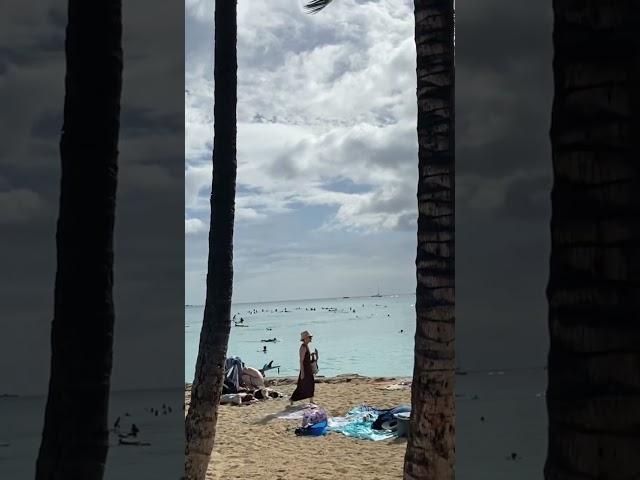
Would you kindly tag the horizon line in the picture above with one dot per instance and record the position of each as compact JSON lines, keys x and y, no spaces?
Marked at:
{"x":306,"y":299}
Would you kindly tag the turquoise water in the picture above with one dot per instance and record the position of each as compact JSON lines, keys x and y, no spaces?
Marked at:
{"x":501,"y":398}
{"x":353,"y":335}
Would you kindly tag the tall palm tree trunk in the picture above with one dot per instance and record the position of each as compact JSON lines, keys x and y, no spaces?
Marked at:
{"x":214,"y":336}
{"x":593,"y":394}
{"x":430,"y":449}
{"x":75,"y":436}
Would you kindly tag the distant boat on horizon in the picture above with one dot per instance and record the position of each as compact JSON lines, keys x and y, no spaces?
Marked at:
{"x":377,"y":295}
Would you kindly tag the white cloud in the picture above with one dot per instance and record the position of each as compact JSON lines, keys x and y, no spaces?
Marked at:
{"x":327,"y":146}
{"x":194,"y":225}
{"x":321,"y":98}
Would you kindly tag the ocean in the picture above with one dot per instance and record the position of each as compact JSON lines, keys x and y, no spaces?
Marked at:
{"x":21,"y":420}
{"x":353,"y":335}
{"x":500,"y":405}
{"x":500,"y":411}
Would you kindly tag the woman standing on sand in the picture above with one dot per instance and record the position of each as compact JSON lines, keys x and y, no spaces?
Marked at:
{"x":306,"y":382}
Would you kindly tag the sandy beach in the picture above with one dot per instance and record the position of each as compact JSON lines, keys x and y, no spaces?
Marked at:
{"x":251,"y":442}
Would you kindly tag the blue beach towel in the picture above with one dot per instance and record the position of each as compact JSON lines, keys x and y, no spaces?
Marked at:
{"x":358,"y":424}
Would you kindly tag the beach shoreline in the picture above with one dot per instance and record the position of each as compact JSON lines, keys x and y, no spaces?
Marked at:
{"x":252,"y":442}
{"x":353,"y":378}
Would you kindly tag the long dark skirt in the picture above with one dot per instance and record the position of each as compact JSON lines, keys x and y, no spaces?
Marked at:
{"x":306,"y":387}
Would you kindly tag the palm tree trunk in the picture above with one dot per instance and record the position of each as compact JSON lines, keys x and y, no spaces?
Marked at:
{"x":214,"y":337}
{"x":593,"y":394}
{"x":75,"y":436}
{"x":430,"y":449}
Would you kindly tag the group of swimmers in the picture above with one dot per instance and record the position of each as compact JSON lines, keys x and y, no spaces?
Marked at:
{"x":254,"y":311}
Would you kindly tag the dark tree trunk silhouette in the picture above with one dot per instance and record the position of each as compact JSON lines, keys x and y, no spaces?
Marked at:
{"x":593,"y":394}
{"x":75,"y":435}
{"x":214,"y":336}
{"x":430,"y":451}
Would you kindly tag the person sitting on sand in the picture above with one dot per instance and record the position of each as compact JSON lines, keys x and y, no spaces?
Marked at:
{"x":306,"y":382}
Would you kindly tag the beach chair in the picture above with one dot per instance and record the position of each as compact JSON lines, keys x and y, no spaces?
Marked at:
{"x":269,"y":366}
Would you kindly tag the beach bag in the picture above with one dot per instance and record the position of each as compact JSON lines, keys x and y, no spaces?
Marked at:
{"x":312,"y":416}
{"x":315,"y":430}
{"x":314,"y":422}
{"x":314,"y":363}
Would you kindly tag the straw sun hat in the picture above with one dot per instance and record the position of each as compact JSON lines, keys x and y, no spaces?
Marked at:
{"x":304,"y":335}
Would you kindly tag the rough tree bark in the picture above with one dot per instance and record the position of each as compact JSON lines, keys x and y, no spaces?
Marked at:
{"x":431,"y":449}
{"x":593,"y":395}
{"x":214,"y":336}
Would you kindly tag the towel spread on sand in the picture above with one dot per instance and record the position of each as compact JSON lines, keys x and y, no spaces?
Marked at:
{"x":358,"y":424}
{"x":298,"y":414}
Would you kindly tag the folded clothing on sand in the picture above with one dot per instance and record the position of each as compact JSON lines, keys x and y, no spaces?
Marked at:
{"x":387,"y":416}
{"x":236,"y":399}
{"x":266,"y":393}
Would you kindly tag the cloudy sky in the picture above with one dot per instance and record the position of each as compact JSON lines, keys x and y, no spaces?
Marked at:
{"x":149,"y":237}
{"x":503,"y":179}
{"x":326,"y":149}
{"x":327,"y":170}
{"x":328,"y":159}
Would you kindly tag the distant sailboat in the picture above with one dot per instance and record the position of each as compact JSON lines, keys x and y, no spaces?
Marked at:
{"x":377,"y":295}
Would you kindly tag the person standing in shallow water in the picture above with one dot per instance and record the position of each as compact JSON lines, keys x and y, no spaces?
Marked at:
{"x":306,"y":382}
